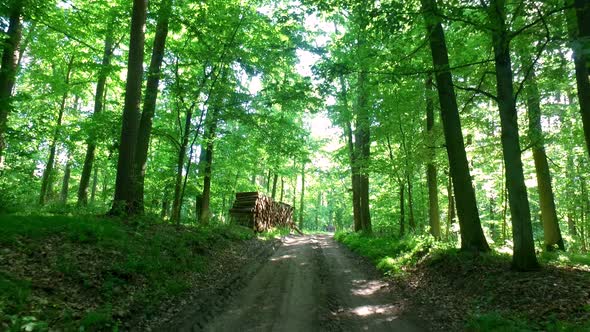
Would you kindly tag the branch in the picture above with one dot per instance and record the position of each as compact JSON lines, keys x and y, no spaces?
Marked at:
{"x":470,"y":100}
{"x":70,"y":36}
{"x":428,"y":71}
{"x":540,"y":19}
{"x":477,"y":90}
{"x":172,"y":139}
{"x":537,"y":57}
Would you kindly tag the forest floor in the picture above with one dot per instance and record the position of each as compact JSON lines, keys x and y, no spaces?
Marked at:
{"x":95,"y":274}
{"x":453,"y":291}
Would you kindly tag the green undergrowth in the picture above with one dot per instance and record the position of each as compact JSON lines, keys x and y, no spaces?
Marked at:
{"x":565,"y":259}
{"x":489,"y":292}
{"x":86,"y":273}
{"x":392,"y":254}
{"x":275,"y":233}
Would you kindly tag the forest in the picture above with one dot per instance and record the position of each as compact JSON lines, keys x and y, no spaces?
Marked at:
{"x":446,"y":142}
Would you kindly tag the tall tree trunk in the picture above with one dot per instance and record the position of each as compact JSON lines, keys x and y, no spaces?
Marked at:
{"x":551,"y":231}
{"x":124,"y":186}
{"x":177,"y":202}
{"x":10,"y":55}
{"x":433,"y":208}
{"x":268,"y":181}
{"x":274,"y":186}
{"x":149,"y":104}
{"x":408,"y":176}
{"x":524,"y":257}
{"x":302,"y":202}
{"x":65,"y":186}
{"x":451,"y":213}
{"x":579,"y":31}
{"x":411,"y":220}
{"x":206,"y":196}
{"x":354,"y":169}
{"x":402,"y":212}
{"x":356,"y":203}
{"x":165,"y":204}
{"x":282,"y":189}
{"x":295,"y":176}
{"x":571,"y":206}
{"x":584,"y":209}
{"x":47,"y":173}
{"x":98,"y":108}
{"x":472,"y":237}
{"x":363,"y":152}
{"x":94,"y":185}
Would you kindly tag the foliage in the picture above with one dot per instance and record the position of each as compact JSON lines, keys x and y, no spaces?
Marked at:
{"x":390,"y":253}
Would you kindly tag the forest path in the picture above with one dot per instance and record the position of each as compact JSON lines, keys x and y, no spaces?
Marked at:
{"x":312,"y":283}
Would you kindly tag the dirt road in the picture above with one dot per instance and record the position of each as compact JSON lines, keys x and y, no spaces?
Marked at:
{"x":311,"y":283}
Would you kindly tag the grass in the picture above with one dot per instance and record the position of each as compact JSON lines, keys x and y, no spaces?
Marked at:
{"x":97,"y":264}
{"x":275,"y":233}
{"x":390,"y":253}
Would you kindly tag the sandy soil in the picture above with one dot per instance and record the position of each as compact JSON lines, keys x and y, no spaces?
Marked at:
{"x":311,"y":283}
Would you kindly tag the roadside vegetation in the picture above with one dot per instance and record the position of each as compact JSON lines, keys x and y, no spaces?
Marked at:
{"x":479,"y":292}
{"x":88,"y":273}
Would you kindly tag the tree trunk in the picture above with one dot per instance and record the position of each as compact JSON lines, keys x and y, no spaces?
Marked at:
{"x":177,"y":202}
{"x":571,"y":206}
{"x":363,"y":152}
{"x":123,"y":203}
{"x":318,"y":211}
{"x":165,"y":205}
{"x":411,"y":220}
{"x":65,"y":186}
{"x":402,"y":212}
{"x":524,"y":258}
{"x":472,"y":237}
{"x":98,"y":108}
{"x":47,"y":173}
{"x":149,"y":104}
{"x":451,"y":215}
{"x":551,"y":231}
{"x":579,"y":31}
{"x":282,"y":189}
{"x":94,"y":185}
{"x":433,"y":208}
{"x":302,"y":202}
{"x":206,"y":196}
{"x":354,"y":169}
{"x":356,"y":203}
{"x":268,"y":181}
{"x":274,"y":186}
{"x":10,"y":55}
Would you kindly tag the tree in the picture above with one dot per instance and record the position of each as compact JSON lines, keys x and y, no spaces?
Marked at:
{"x":431,"y":173}
{"x":123,"y":202}
{"x":472,"y":237}
{"x":149,"y":105}
{"x":580,"y":32}
{"x":8,"y":69}
{"x":48,"y":171}
{"x":551,"y":231}
{"x":524,"y":249}
{"x":98,"y":108}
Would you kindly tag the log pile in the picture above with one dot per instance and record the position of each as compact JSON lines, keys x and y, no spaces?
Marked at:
{"x":261,"y":213}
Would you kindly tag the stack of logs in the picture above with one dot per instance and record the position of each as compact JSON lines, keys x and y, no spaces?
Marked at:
{"x":261,"y":213}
